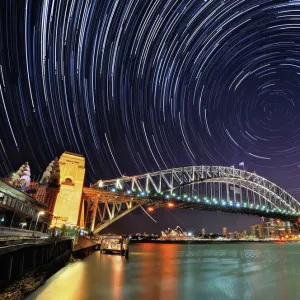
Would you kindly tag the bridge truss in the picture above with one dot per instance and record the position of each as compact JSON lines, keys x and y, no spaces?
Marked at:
{"x":204,"y":187}
{"x":103,"y":207}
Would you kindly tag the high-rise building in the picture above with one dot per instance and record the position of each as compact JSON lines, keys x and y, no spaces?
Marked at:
{"x":243,"y":234}
{"x":281,"y":227}
{"x":203,"y":232}
{"x":231,"y":235}
{"x":268,"y":229}
{"x":224,"y":231}
{"x":260,"y":232}
{"x":288,"y":228}
{"x":253,"y":230}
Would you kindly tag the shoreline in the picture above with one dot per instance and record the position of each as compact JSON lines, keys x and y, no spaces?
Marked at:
{"x":208,"y":242}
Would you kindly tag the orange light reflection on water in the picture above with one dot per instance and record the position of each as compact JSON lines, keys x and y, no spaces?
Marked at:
{"x":117,"y":265}
{"x":163,"y":274}
{"x":59,"y":284}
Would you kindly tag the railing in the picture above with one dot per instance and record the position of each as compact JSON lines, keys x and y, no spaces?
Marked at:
{"x":17,"y":204}
{"x":17,"y":240}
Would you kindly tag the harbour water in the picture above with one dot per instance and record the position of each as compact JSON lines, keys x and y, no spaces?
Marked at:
{"x":172,"y":271}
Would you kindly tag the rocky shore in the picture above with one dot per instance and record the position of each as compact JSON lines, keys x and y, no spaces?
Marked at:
{"x":22,"y":288}
{"x":19,"y":290}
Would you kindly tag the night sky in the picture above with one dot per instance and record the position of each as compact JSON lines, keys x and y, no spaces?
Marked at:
{"x":138,"y":85}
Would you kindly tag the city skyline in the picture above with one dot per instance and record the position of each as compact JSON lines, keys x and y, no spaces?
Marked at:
{"x":151,"y":87}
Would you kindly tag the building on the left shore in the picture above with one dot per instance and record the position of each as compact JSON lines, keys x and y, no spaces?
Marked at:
{"x":28,"y":205}
{"x":53,"y":201}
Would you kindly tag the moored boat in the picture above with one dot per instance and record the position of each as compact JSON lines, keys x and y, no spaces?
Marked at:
{"x":114,"y":244}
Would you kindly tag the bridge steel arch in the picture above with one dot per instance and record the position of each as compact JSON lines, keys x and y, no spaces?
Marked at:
{"x":207,"y":185}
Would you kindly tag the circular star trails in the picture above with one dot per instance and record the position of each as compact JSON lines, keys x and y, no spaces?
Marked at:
{"x":137,"y":86}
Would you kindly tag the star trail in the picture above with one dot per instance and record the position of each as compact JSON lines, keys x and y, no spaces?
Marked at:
{"x":137,"y":86}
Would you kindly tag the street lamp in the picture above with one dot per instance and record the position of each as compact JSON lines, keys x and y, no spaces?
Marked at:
{"x":23,"y":224}
{"x":54,"y":228}
{"x":39,"y":214}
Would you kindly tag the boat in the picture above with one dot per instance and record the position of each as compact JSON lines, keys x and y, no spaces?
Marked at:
{"x":115,"y":244}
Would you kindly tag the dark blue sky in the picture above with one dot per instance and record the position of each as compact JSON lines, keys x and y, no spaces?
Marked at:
{"x":137,"y":86}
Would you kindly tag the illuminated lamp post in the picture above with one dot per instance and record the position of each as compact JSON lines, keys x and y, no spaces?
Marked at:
{"x":39,"y":214}
{"x":23,"y":224}
{"x":170,"y":204}
{"x":54,"y":228}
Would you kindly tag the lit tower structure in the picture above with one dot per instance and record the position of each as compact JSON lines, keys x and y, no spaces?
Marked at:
{"x":21,"y":179}
{"x":69,"y":204}
{"x":50,"y":185}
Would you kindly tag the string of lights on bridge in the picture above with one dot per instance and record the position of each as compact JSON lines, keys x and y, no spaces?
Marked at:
{"x":171,"y":197}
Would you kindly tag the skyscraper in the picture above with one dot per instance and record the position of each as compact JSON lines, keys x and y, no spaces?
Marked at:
{"x":252,"y":230}
{"x":224,"y":231}
{"x":203,"y":232}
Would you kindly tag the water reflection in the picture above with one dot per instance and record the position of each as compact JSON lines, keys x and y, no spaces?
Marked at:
{"x":240,"y":271}
{"x":158,"y":273}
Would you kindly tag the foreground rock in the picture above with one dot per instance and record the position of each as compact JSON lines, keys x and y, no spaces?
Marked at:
{"x":22,"y":288}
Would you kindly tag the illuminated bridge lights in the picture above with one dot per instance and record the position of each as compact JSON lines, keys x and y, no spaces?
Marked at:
{"x":210,"y":202}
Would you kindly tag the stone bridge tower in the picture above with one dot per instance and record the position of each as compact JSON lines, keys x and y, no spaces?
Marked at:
{"x":68,"y":204}
{"x":49,"y":185}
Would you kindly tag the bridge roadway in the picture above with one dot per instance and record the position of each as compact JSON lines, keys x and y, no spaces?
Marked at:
{"x":110,"y":205}
{"x":221,"y":207}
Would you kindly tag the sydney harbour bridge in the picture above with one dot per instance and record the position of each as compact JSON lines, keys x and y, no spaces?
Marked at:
{"x":61,"y":197}
{"x":213,"y":188}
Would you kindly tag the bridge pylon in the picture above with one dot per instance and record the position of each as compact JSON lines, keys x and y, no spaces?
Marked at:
{"x":67,"y":208}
